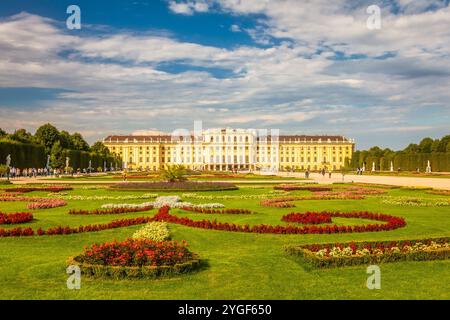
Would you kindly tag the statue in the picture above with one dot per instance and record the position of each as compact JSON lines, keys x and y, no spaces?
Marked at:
{"x":392,"y":166}
{"x":47,"y":166}
{"x":8,"y":161}
{"x":90,"y":166}
{"x":428,"y":167}
{"x":373,"y":166}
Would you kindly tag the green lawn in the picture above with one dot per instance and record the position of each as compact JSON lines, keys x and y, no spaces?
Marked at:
{"x":239,"y":265}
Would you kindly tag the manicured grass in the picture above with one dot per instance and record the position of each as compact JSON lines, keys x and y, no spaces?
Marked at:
{"x":239,"y":265}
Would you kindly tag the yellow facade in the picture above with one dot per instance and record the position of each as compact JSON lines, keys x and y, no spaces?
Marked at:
{"x":233,"y":149}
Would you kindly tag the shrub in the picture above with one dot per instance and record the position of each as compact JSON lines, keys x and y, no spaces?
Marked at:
{"x":15,"y":218}
{"x":308,"y":217}
{"x":354,"y":253}
{"x":156,"y":231}
{"x":136,"y":258}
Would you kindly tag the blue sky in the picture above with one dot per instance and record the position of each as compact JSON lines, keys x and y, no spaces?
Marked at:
{"x":302,"y":67}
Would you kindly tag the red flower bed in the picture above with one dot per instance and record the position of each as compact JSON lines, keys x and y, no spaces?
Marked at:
{"x":36,"y":203}
{"x":308,"y":217}
{"x":292,"y":187}
{"x":352,"y":191}
{"x":48,"y":189}
{"x":217,"y":211}
{"x":391,"y":224}
{"x":15,"y":218}
{"x":284,"y":202}
{"x":136,"y":252}
{"x":109,"y":211}
{"x":46,"y":204}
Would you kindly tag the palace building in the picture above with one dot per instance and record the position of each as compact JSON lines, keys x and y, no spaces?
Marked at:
{"x":233,"y":149}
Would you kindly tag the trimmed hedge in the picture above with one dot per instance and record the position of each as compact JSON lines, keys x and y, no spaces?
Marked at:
{"x":23,"y":155}
{"x":120,"y":272}
{"x":440,"y":161}
{"x":312,"y":259}
{"x":27,"y":155}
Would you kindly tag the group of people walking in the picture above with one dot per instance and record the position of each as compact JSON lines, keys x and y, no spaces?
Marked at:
{"x":30,"y":172}
{"x":323,"y":172}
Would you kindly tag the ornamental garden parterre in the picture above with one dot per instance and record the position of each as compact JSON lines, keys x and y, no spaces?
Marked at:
{"x":146,"y":232}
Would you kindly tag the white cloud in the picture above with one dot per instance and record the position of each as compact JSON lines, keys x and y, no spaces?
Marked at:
{"x":189,"y":7}
{"x":284,"y":85}
{"x":235,"y":28}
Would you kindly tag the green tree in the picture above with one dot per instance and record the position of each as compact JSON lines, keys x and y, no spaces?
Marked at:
{"x":435,"y":146}
{"x":376,"y":151}
{"x":66,"y":140}
{"x":425,"y":145}
{"x":3,"y":133}
{"x":448,"y":148}
{"x":172,"y":173}
{"x":57,"y":156}
{"x":78,"y":142}
{"x":443,"y":143}
{"x":100,"y":148}
{"x":47,"y":135}
{"x":412,"y":148}
{"x":22,"y":135}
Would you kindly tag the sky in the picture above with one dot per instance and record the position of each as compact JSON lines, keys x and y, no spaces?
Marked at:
{"x":304,"y":67}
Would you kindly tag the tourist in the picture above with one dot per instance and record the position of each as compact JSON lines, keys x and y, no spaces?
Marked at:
{"x":329,"y":174}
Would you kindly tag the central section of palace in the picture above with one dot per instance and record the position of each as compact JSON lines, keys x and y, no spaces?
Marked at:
{"x":233,"y":149}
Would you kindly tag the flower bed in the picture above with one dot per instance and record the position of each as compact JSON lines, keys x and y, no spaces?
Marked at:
{"x":392,"y":223}
{"x":175,"y":186}
{"x":354,"y":253}
{"x":36,"y":203}
{"x":15,"y":218}
{"x":349,"y":191}
{"x":90,"y":198}
{"x":109,"y":211}
{"x":62,"y":230}
{"x":285,"y":201}
{"x":440,"y":192}
{"x":171,"y":201}
{"x":212,"y":211}
{"x":136,"y":258}
{"x":156,"y":231}
{"x":308,"y":217}
{"x":30,"y":189}
{"x":230,"y":197}
{"x":46,"y":204}
{"x":292,"y":187}
{"x":416,"y":202}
